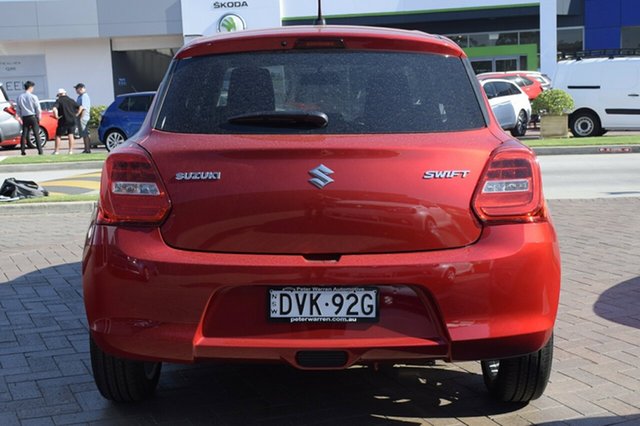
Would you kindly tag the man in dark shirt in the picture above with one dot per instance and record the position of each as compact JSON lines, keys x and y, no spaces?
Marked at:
{"x":67,"y":111}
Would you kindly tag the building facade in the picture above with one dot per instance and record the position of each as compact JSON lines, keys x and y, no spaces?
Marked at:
{"x":120,"y":46}
{"x":112,"y":46}
{"x":612,"y":24}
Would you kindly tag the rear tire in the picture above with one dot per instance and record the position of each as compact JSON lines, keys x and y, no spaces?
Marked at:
{"x":519,"y":379}
{"x":123,"y":380}
{"x":585,"y":124}
{"x":113,"y":138}
{"x":521,"y":125}
{"x":31,"y":141}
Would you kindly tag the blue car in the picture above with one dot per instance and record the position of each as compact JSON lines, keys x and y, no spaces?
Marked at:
{"x":124,"y":118}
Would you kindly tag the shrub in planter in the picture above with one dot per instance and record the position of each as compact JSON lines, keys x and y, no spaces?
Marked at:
{"x":96,"y":113}
{"x":553,"y":107}
{"x":94,"y":123}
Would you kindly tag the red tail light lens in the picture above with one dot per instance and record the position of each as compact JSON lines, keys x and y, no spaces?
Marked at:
{"x":10,"y":110}
{"x":510,"y":189}
{"x":131,"y":190}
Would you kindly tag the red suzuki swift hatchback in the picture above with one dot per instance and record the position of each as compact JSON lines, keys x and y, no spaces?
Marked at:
{"x":321,"y":196}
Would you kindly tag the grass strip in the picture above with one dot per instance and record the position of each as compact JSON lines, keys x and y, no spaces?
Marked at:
{"x":600,"y":140}
{"x":50,"y":159}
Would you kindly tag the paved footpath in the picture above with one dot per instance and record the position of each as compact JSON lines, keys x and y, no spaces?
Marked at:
{"x":45,"y":372}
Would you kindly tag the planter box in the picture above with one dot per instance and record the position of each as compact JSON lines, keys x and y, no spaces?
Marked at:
{"x":93,"y":134}
{"x":554,"y":126}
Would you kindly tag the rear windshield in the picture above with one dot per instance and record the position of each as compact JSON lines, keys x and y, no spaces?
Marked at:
{"x":359,"y":92}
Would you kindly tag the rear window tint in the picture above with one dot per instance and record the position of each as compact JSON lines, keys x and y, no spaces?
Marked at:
{"x":360,"y":92}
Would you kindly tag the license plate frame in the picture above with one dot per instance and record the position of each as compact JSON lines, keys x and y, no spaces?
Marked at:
{"x":363,"y":297}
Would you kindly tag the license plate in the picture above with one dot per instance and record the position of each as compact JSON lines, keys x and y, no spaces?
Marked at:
{"x":323,"y":304}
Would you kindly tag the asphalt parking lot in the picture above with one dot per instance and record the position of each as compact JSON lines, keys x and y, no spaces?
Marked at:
{"x":45,"y":371}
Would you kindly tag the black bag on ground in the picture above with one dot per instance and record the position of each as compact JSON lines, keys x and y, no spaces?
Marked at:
{"x":12,"y":188}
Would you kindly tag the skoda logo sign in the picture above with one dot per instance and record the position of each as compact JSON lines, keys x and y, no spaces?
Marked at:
{"x":231,"y":22}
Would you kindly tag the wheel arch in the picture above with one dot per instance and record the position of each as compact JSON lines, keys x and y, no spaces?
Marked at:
{"x":583,"y":110}
{"x":598,"y":130}
{"x":110,"y":129}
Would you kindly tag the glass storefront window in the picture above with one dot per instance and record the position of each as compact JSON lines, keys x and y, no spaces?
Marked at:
{"x":570,"y":40}
{"x":492,"y":39}
{"x":504,"y":39}
{"x":630,"y":37}
{"x":480,"y":66}
{"x":508,"y":64}
{"x":530,"y":37}
{"x":461,"y":40}
{"x":479,"y":40}
{"x":140,"y":70}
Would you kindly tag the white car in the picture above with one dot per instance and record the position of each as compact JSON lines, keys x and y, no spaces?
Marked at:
{"x":47,"y":104}
{"x":9,"y":126}
{"x":509,"y":103}
{"x":544,"y":79}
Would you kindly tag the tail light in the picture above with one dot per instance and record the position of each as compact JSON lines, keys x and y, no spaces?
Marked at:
{"x":131,"y":190}
{"x":10,"y":110}
{"x":510,"y":189}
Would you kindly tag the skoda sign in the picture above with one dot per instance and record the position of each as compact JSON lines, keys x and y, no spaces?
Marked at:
{"x":229,"y":4}
{"x":231,"y":22}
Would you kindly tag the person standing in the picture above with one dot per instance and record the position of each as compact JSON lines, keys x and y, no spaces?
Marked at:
{"x":28,"y":109}
{"x":67,"y":111}
{"x":84,"y":101}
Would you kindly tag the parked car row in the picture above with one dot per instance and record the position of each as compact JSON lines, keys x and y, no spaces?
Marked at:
{"x":509,"y":103}
{"x":525,"y":81}
{"x":517,"y":117}
{"x":48,"y":124}
{"x":121,"y":120}
{"x":605,"y":91}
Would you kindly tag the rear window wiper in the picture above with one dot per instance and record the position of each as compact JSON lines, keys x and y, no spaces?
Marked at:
{"x":312,"y":119}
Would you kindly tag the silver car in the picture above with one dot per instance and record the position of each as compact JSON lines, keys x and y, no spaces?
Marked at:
{"x":9,"y":126}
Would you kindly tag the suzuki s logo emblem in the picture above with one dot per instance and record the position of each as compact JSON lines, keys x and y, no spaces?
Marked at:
{"x":321,"y":176}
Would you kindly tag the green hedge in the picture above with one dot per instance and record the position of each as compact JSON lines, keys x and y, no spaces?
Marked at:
{"x":96,"y":113}
{"x":552,"y":102}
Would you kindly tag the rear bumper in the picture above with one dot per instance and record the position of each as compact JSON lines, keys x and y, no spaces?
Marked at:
{"x":494,"y":299}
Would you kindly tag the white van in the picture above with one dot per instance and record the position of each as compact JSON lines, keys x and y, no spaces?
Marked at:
{"x":606,"y":92}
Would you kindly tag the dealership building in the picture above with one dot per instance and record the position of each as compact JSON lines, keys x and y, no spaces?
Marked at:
{"x":120,"y":46}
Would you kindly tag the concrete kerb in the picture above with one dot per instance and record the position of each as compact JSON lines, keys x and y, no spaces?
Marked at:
{"x":581,"y":150}
{"x":11,"y":210}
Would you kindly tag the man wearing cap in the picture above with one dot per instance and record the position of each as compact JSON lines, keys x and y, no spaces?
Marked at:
{"x":84,"y":101}
{"x":67,"y":111}
{"x":28,"y":109}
